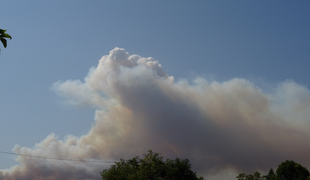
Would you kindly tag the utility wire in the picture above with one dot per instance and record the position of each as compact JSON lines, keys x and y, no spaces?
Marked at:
{"x":61,"y":159}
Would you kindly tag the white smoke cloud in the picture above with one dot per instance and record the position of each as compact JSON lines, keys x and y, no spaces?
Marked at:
{"x":230,"y":126}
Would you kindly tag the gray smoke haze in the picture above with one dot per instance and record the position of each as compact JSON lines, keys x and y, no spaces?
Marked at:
{"x":221,"y":127}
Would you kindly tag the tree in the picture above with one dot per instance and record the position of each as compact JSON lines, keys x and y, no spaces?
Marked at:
{"x":4,"y":35}
{"x":290,"y":170}
{"x":271,"y":175}
{"x":151,"y":167}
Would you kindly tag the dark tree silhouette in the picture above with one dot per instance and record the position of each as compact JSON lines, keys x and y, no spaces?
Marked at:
{"x":290,"y":170}
{"x":150,"y":167}
{"x":271,"y":175}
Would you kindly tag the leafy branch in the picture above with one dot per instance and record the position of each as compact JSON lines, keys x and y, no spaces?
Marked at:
{"x":3,"y":37}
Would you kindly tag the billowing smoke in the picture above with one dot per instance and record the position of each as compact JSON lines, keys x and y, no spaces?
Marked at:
{"x":230,"y":126}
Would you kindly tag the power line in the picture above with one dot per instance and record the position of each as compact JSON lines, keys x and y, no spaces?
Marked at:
{"x":61,"y":159}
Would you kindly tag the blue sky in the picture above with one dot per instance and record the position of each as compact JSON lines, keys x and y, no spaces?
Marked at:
{"x":265,"y":42}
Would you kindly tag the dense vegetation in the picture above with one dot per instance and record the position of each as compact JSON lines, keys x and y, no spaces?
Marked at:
{"x":151,"y":167}
{"x":288,"y":170}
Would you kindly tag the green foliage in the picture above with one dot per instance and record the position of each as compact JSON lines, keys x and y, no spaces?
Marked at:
{"x":150,"y":167}
{"x":3,"y":37}
{"x":290,"y":170}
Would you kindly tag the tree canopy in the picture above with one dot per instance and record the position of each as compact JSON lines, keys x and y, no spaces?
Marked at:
{"x":151,"y":167}
{"x":292,"y":171}
{"x":3,"y":37}
{"x":288,"y":170}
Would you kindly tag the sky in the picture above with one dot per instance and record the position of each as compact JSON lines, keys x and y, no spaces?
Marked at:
{"x":222,"y":83}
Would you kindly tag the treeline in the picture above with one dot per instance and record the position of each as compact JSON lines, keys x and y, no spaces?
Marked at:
{"x":152,"y":166}
{"x":288,"y":170}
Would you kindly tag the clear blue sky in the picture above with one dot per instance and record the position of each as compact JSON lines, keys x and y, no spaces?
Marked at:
{"x":266,"y":42}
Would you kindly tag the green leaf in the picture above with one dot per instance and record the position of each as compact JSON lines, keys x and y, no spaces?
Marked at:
{"x":7,"y":35}
{"x":4,"y":42}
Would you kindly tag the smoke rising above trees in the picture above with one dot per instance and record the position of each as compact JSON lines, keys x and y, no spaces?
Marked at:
{"x":220,"y":126}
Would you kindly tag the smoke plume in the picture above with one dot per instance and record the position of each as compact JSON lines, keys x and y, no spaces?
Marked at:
{"x":232,"y":126}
